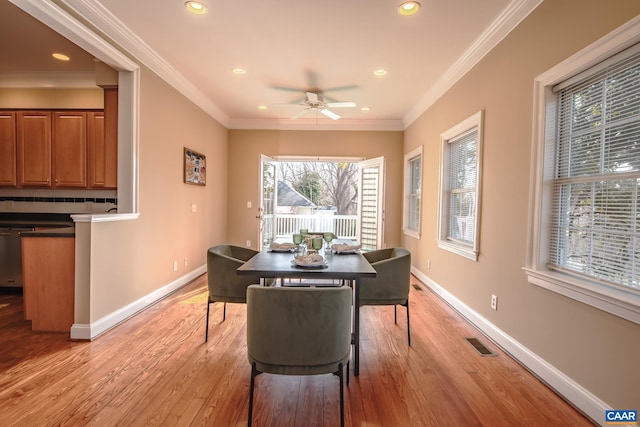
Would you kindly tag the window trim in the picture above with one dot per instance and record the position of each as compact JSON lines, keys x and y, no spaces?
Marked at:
{"x":408,"y":158}
{"x":468,"y":251}
{"x":616,"y":301}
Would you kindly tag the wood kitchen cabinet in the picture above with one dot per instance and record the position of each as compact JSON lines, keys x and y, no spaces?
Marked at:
{"x":8,"y":149}
{"x":96,"y":150}
{"x":61,"y":149}
{"x":69,"y":149}
{"x":34,"y":148}
{"x":48,"y":272}
{"x":102,"y":143}
{"x":111,"y":137}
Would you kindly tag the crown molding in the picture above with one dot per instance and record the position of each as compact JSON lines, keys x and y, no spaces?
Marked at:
{"x":321,"y":124}
{"x":509,"y":19}
{"x":136,"y":49}
{"x":104,"y":21}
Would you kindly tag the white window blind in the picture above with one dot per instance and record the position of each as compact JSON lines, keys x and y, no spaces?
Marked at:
{"x":463,"y":180}
{"x":595,"y":229}
{"x":415,"y":169}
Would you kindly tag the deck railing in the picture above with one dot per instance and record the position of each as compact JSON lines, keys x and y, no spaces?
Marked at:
{"x":342,"y":226}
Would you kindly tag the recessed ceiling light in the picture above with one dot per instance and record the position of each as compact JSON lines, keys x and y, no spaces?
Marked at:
{"x":408,"y":8}
{"x":239,"y":71}
{"x":262,"y":107}
{"x":365,"y":109}
{"x":379,"y":72}
{"x":196,"y":7}
{"x":60,"y":56}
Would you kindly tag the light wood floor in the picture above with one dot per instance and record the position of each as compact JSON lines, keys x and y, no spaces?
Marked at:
{"x":155,"y":369}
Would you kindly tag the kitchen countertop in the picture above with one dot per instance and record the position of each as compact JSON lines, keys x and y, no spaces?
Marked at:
{"x":48,"y":225}
{"x":59,"y":231}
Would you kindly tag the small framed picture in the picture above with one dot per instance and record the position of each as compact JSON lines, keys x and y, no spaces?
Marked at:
{"x":195,"y":171}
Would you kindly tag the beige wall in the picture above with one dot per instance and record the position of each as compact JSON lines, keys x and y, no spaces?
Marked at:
{"x":246,"y":146}
{"x":11,"y":98}
{"x":131,"y":259}
{"x":595,"y":349}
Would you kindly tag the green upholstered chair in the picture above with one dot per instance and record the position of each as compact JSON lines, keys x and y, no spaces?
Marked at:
{"x":225,"y":285}
{"x":298,"y":331}
{"x":392,"y":282}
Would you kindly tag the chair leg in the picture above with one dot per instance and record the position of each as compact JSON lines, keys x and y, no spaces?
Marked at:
{"x":408,"y":327}
{"x":224,"y":311}
{"x":395,"y":314}
{"x":251,"y":386}
{"x":340,"y":378}
{"x":347,"y":372}
{"x":206,"y":330}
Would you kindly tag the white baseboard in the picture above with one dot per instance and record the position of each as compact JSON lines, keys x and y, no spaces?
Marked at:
{"x":570,"y":390}
{"x":91,"y":331}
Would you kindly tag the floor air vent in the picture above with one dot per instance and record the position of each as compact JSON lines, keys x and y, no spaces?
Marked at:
{"x":480,"y":348}
{"x":416,"y":287}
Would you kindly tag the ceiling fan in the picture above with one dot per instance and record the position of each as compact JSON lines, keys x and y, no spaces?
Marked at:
{"x":315,"y":101}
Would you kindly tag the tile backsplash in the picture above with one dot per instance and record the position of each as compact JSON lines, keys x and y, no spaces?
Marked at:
{"x":58,"y":201}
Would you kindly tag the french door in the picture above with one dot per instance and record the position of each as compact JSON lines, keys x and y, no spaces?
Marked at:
{"x":370,"y":221}
{"x":371,"y":204}
{"x":268,"y":200}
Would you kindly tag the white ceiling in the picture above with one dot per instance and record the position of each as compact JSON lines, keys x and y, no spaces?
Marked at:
{"x":287,"y":47}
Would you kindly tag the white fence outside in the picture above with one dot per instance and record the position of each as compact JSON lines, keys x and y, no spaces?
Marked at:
{"x":342,"y":226}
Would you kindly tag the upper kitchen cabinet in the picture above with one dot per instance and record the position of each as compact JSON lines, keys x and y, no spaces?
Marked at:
{"x":60,"y":149}
{"x":102,"y":143}
{"x":34,"y":148}
{"x":70,"y":149}
{"x":8,"y":150}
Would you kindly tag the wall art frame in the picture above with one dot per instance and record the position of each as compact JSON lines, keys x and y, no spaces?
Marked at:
{"x":195,"y":171}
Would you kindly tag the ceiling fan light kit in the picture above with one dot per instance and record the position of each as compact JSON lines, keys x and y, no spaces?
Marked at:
{"x":315,"y":101}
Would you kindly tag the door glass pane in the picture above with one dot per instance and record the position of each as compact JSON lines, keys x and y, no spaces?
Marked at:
{"x":267,"y":208}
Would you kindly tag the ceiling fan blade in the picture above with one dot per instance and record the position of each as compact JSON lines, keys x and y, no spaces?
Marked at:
{"x":299,"y":114}
{"x":287,"y":88}
{"x":312,"y":97}
{"x":339,"y":88}
{"x":290,"y":104}
{"x":330,"y":114}
{"x":341,"y":104}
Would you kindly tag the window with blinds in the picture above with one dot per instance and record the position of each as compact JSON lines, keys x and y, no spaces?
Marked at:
{"x":460,"y":187}
{"x":414,"y":194}
{"x":463,"y":180}
{"x":595,"y":224}
{"x":412,"y":185}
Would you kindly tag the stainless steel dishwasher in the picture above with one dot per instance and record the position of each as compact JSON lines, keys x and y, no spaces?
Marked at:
{"x":11,"y":256}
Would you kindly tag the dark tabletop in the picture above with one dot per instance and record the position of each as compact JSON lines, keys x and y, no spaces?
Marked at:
{"x":278,"y":264}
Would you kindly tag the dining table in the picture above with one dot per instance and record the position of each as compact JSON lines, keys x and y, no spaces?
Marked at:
{"x":353,"y":267}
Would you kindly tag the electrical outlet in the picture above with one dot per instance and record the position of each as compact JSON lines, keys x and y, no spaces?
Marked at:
{"x":175,"y":265}
{"x":186,"y":262}
{"x":194,"y":208}
{"x":494,"y":302}
{"x":248,"y":243}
